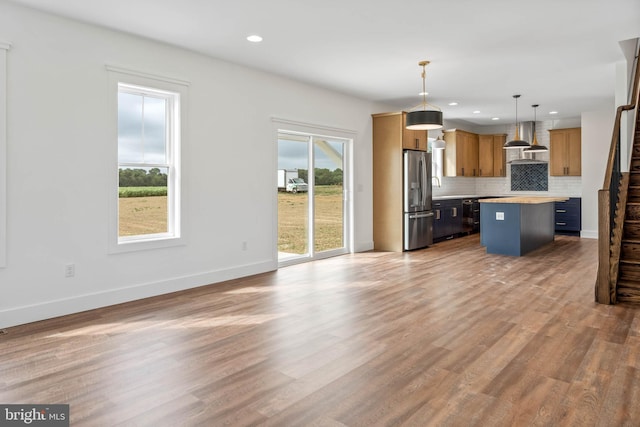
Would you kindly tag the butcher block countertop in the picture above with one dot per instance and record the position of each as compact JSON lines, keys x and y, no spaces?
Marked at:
{"x":527,"y":200}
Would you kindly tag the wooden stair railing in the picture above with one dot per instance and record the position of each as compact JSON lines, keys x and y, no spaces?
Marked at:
{"x":612,"y":209}
{"x":628,"y":283}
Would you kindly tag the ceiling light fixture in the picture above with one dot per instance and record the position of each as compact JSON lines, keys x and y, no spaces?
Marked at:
{"x":534,"y":145}
{"x":439,"y":143}
{"x":254,"y":38}
{"x":516,"y":142}
{"x":424,"y":119}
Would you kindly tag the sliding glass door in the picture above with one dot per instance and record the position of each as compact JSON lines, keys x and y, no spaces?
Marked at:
{"x":312,"y":207}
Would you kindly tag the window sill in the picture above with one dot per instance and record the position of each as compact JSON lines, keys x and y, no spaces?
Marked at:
{"x":147,"y":244}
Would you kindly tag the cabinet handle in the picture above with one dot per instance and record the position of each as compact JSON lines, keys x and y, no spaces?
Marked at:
{"x":454,"y":212}
{"x":462,"y":171}
{"x":474,"y":172}
{"x":561,"y":210}
{"x":417,"y":143}
{"x":437,"y":213}
{"x":480,"y":172}
{"x":561,"y":223}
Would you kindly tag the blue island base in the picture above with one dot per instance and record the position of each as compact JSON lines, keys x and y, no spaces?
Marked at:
{"x":516,"y":228}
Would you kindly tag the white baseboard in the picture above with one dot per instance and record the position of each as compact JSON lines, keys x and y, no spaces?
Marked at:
{"x":364,"y":246}
{"x":50,"y":309}
{"x":589,"y":234}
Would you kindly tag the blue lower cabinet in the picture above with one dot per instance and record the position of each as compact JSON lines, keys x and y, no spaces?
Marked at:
{"x":447,"y":221}
{"x":568,"y":216}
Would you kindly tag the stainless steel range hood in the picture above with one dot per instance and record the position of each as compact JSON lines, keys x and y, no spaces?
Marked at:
{"x":526,"y":130}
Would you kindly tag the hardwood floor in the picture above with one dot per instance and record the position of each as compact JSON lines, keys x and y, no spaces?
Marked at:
{"x":447,"y":336}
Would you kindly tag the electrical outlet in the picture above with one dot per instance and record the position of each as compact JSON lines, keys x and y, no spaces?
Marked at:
{"x":69,"y":270}
{"x":500,"y":216}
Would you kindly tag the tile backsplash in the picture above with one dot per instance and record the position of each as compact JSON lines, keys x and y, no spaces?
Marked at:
{"x":569,"y":186}
{"x":530,"y":177}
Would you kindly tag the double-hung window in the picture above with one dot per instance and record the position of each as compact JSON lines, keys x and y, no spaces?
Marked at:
{"x":148,"y":132}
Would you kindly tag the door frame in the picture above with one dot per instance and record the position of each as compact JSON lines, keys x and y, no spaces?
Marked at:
{"x":301,"y":128}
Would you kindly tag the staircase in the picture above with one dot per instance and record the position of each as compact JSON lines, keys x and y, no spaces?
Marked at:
{"x":628,"y":284}
{"x":618,"y":278}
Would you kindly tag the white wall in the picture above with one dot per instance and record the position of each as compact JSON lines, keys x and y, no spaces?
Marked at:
{"x":597,"y":128}
{"x":58,"y":137}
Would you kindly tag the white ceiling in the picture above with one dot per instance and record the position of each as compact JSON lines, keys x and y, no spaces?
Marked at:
{"x":560,"y":54}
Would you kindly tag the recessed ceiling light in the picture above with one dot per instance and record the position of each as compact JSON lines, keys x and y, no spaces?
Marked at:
{"x":254,"y":38}
{"x":553,"y":112}
{"x":453,"y":103}
{"x":495,"y":118}
{"x":476,"y":112}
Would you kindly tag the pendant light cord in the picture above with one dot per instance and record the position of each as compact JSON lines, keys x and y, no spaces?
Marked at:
{"x":517,"y":137}
{"x":424,"y":84}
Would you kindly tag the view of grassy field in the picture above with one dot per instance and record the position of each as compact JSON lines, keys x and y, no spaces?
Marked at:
{"x":148,"y":215}
{"x":142,"y":215}
{"x":293,"y":219}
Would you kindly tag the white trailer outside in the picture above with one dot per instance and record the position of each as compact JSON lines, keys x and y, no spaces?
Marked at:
{"x":289,"y":181}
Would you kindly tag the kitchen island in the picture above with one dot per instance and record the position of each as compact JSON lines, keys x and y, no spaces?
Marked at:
{"x":517,"y":225}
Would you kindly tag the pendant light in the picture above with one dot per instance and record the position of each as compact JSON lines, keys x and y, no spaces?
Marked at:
{"x":535,"y":147}
{"x":516,"y":142}
{"x":438,"y":144}
{"x":424,"y":119}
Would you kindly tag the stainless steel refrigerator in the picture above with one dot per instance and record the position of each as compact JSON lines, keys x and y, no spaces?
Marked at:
{"x":418,"y":212}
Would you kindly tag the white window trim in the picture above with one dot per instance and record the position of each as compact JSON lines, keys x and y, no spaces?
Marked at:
{"x":4,"y":48}
{"x":177,"y":236}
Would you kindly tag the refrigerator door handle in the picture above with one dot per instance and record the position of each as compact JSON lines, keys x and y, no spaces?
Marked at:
{"x":420,"y":178}
{"x":421,"y":215}
{"x":424,"y":182}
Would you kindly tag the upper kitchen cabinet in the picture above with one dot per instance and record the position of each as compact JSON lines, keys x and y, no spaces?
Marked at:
{"x":491,"y":155}
{"x":392,"y":125}
{"x":413,"y":139}
{"x":565,"y":152}
{"x":499,"y":155}
{"x":460,"y":153}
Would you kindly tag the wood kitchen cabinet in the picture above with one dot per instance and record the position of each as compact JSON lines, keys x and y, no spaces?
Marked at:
{"x":491,"y":155}
{"x":389,"y":139}
{"x":460,"y":153}
{"x":565,"y":151}
{"x":413,"y":139}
